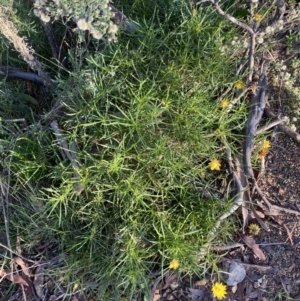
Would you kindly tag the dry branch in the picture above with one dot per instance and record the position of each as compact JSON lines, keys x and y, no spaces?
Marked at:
{"x":19,"y":73}
{"x":268,"y":126}
{"x":258,"y":104}
{"x":283,"y":127}
{"x":227,"y":16}
{"x":227,"y":247}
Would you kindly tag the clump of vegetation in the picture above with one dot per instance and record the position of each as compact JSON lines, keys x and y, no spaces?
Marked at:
{"x":119,"y":169}
{"x":93,"y":16}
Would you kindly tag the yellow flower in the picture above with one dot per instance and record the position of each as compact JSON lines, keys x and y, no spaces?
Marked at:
{"x":254,"y":229}
{"x":239,"y":85}
{"x":224,"y":103}
{"x":266,"y":144}
{"x":264,"y":149}
{"x":263,"y":152}
{"x":219,"y":290}
{"x":257,"y":17}
{"x":215,"y":164}
{"x":174,"y":264}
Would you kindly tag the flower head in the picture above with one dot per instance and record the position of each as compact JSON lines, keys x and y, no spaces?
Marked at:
{"x":260,"y":40}
{"x":215,"y":164}
{"x":253,"y":229}
{"x":82,"y":24}
{"x":45,"y":18}
{"x":257,"y":17}
{"x":239,"y":85}
{"x":224,"y":103}
{"x":262,"y":153}
{"x":219,"y":290}
{"x":174,"y":264}
{"x":266,"y":144}
{"x":264,"y":149}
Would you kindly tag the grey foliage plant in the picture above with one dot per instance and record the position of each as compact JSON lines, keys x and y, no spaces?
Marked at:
{"x":93,"y":16}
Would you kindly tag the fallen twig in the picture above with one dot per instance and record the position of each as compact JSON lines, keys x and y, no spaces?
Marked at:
{"x":258,"y":103}
{"x":19,"y":73}
{"x":227,"y":247}
{"x":283,"y":127}
{"x":228,"y":17}
{"x":272,"y":209}
{"x":268,"y":126}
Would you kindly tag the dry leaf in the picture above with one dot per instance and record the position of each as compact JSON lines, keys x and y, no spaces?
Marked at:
{"x":200,"y":282}
{"x":258,"y":213}
{"x":19,"y":261}
{"x":249,"y":241}
{"x":246,"y":216}
{"x":156,"y":296}
{"x":13,"y":278}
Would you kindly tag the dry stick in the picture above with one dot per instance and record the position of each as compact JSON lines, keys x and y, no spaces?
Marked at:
{"x":258,"y":103}
{"x":10,"y":32}
{"x":258,"y":107}
{"x":19,"y":73}
{"x":273,"y":209}
{"x":228,"y":17}
{"x":268,"y":126}
{"x":283,"y":127}
{"x":227,"y":247}
{"x":251,"y":57}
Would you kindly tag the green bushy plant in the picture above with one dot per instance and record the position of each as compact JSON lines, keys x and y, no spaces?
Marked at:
{"x":145,"y":118}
